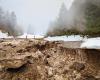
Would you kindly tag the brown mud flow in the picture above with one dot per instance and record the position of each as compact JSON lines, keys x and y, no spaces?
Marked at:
{"x":43,"y":60}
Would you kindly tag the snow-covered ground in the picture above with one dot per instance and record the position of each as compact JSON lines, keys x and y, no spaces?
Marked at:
{"x":65,"y":38}
{"x":4,"y":35}
{"x":90,"y":43}
{"x":25,"y":35}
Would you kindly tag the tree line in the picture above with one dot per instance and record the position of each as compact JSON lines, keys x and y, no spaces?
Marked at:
{"x":84,"y":21}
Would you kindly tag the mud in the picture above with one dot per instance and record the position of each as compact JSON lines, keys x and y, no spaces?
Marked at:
{"x":43,"y":60}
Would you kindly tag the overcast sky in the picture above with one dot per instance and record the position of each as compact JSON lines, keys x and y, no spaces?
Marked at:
{"x":36,"y":13}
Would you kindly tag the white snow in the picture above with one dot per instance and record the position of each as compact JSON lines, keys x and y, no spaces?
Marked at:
{"x":39,"y":36}
{"x":25,"y":35}
{"x":92,"y":43}
{"x":4,"y":35}
{"x":65,"y":38}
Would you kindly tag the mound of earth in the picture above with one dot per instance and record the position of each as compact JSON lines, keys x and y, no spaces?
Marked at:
{"x":47,"y":60}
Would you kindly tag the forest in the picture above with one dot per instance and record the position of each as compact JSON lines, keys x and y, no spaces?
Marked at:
{"x":8,"y":23}
{"x":83,"y":19}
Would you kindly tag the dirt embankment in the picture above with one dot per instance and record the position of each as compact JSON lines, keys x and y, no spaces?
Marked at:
{"x":44,"y":60}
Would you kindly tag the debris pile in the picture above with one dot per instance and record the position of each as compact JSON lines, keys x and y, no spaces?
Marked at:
{"x":47,"y":60}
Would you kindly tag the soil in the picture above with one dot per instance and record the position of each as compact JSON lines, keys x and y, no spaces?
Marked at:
{"x":29,"y":59}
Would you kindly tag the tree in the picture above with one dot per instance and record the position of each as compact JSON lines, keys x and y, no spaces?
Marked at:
{"x":8,"y":23}
{"x":93,"y":20}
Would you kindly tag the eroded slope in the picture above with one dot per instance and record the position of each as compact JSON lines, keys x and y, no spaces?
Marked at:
{"x":43,"y":60}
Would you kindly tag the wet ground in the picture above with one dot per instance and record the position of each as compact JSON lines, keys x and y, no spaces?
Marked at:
{"x":29,"y":59}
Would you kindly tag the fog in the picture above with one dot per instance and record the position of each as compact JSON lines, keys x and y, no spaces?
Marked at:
{"x":73,"y":16}
{"x":34,"y":16}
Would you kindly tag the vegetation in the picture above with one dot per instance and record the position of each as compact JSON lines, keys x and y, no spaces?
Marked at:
{"x":93,"y":20}
{"x":92,"y":23}
{"x":8,"y":23}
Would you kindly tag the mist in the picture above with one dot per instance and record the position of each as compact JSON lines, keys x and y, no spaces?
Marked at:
{"x":33,"y":15}
{"x":76,"y":19}
{"x":8,"y":23}
{"x":70,"y":17}
{"x":36,"y":16}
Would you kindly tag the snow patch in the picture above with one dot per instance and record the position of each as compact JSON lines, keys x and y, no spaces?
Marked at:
{"x":65,"y":38}
{"x":25,"y":35}
{"x":4,"y":35}
{"x":92,"y":43}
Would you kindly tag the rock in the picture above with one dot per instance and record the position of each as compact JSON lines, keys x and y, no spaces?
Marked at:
{"x":77,"y":66}
{"x":14,"y":62}
{"x":50,"y":72}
